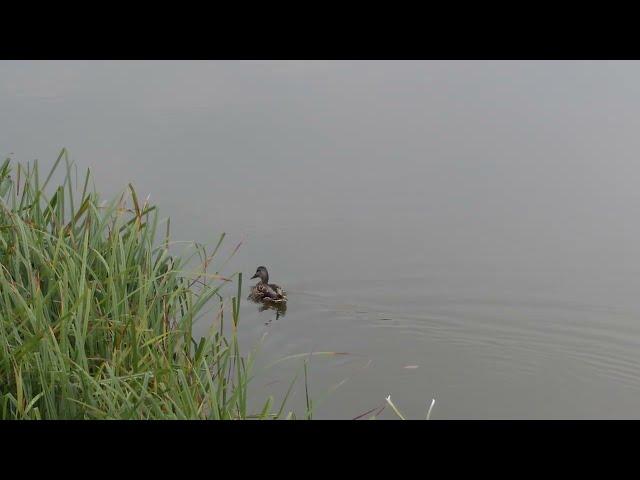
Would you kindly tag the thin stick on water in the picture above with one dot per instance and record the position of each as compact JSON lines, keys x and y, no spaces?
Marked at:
{"x":395,"y":409}
{"x":433,"y":402}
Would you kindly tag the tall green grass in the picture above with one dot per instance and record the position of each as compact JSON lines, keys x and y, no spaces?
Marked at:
{"x":96,"y":316}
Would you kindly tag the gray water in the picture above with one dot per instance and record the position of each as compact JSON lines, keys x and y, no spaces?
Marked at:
{"x":464,"y":231}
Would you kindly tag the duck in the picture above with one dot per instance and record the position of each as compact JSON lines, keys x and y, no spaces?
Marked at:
{"x":263,"y":291}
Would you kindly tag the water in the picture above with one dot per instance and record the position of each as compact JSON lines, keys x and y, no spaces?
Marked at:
{"x":464,"y":231}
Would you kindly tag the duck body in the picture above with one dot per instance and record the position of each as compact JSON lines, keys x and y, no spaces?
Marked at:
{"x":263,"y":291}
{"x":268,"y":292}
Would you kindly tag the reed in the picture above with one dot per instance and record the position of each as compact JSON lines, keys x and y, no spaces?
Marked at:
{"x":96,"y":315}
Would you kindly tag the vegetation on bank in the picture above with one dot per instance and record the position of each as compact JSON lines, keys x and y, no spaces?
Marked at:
{"x":96,"y":317}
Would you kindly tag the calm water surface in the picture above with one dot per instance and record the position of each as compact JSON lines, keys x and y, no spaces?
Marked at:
{"x":465,"y":231}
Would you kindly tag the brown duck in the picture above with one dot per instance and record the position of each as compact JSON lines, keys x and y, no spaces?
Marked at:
{"x":263,"y":291}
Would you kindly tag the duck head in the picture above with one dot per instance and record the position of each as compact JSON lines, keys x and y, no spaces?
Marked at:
{"x":262,"y":274}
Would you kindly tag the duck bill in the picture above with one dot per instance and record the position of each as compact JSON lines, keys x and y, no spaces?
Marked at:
{"x":255,"y":276}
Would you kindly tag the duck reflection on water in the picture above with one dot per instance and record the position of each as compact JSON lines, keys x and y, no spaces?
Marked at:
{"x":280,"y":309}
